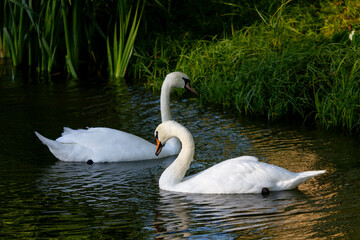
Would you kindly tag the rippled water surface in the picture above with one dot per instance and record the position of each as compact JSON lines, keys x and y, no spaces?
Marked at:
{"x":41,"y":197}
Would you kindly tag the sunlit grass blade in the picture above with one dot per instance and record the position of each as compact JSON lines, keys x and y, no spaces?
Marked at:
{"x":70,"y":66}
{"x":124,"y":36}
{"x":14,"y":31}
{"x":68,"y":43}
{"x":10,"y":42}
{"x":110,"y":61}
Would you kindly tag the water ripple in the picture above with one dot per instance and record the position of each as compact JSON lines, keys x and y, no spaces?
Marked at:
{"x":41,"y":197}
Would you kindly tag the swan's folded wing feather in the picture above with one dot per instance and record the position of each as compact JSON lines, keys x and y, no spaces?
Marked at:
{"x":236,"y":175}
{"x":109,"y":144}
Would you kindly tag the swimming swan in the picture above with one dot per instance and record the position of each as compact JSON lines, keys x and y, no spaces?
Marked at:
{"x":102,"y":144}
{"x":238,"y":175}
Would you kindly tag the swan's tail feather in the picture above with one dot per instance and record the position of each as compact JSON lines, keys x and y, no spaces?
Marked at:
{"x":300,"y":178}
{"x":309,"y":174}
{"x":66,"y":151}
{"x":48,"y":142}
{"x":56,"y":148}
{"x":67,"y":131}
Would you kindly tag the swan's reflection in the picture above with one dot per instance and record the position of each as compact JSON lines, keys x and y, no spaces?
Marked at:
{"x":97,"y":182}
{"x":183,"y":215}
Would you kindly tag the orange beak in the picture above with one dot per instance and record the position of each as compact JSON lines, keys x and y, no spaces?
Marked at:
{"x":158,"y":147}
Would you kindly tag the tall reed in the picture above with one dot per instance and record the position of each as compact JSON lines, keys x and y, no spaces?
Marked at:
{"x":3,"y":48}
{"x":46,"y":32}
{"x":120,"y":48}
{"x":49,"y":21}
{"x":29,"y":31}
{"x":45,"y":19}
{"x":72,"y":35}
{"x":3,"y":51}
{"x":14,"y":30}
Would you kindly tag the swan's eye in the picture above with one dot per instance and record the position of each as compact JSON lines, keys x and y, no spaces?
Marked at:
{"x":157,"y":138}
{"x":186,"y":80}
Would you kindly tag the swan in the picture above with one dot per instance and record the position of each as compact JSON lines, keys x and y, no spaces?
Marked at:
{"x":101,"y":144}
{"x":238,"y":175}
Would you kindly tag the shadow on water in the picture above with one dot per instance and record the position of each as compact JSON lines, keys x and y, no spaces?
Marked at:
{"x":81,"y":200}
{"x":41,"y":197}
{"x":225,"y":216}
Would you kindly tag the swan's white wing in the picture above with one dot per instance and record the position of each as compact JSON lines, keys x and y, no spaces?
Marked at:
{"x":97,"y":138}
{"x":243,"y":158}
{"x":240,"y":175}
{"x":109,"y":144}
{"x":101,"y":145}
{"x":105,"y":144}
{"x":66,"y":151}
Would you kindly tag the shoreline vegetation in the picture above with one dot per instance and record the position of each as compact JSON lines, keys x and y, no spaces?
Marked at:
{"x":274,"y":60}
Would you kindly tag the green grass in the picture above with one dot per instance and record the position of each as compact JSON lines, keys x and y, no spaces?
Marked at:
{"x":72,"y":35}
{"x":57,"y":35}
{"x":14,"y":32}
{"x":120,"y":49}
{"x":271,"y":59}
{"x":281,"y":67}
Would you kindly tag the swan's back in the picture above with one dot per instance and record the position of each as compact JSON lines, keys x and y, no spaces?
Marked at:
{"x":100,"y":145}
{"x":94,"y":137}
{"x":238,"y":175}
{"x":243,"y":175}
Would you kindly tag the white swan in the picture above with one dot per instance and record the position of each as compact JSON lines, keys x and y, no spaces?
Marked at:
{"x":102,"y":144}
{"x":238,"y":175}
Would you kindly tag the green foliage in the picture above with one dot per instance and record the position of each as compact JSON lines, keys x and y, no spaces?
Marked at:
{"x":276,"y":59}
{"x":337,"y":100}
{"x":48,"y":35}
{"x":339,"y":16}
{"x":14,"y":30}
{"x":3,"y":47}
{"x":121,"y":48}
{"x":280,"y":67}
{"x":71,"y":35}
{"x":45,"y":27}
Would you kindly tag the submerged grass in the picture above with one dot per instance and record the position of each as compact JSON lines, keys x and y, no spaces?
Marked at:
{"x":280,"y":67}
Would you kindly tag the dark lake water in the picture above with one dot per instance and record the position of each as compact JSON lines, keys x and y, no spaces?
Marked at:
{"x":41,"y":197}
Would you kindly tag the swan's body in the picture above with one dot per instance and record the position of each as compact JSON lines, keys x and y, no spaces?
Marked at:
{"x":110,"y":145}
{"x":238,"y":175}
{"x":102,"y":144}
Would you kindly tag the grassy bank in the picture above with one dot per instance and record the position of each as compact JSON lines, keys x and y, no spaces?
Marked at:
{"x":294,"y":63}
{"x":271,"y":59}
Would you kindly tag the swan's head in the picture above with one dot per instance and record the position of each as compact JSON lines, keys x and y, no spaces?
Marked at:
{"x":180,"y":80}
{"x":159,"y":145}
{"x":167,"y":130}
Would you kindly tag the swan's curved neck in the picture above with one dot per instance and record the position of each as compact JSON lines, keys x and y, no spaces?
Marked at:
{"x":165,"y":101}
{"x":176,"y":171}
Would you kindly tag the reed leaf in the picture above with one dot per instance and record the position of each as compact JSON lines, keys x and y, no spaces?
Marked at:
{"x":69,"y":45}
{"x":110,"y":65}
{"x":14,"y":31}
{"x":124,"y":35}
{"x":115,"y":46}
{"x":70,"y":66}
{"x":10,"y":42}
{"x":3,"y":52}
